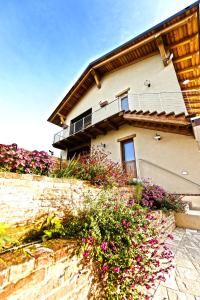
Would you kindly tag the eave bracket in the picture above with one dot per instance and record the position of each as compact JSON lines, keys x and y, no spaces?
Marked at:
{"x":96,"y":78}
{"x":163,"y":52}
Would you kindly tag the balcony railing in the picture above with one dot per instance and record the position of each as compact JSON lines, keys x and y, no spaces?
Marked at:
{"x":162,"y":101}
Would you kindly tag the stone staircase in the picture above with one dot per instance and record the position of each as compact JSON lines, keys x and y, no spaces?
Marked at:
{"x":191,"y":219}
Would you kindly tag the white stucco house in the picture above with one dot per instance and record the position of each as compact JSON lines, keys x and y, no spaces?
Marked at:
{"x":141,"y":102}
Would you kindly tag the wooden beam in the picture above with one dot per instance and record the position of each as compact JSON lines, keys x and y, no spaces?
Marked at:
{"x":190,"y":69}
{"x":148,"y":39}
{"x":156,"y":120}
{"x":88,"y":135}
{"x":163,"y":53}
{"x":78,"y":138}
{"x":190,"y":78}
{"x":192,"y":100}
{"x":188,"y":89}
{"x":163,"y":127}
{"x":185,"y":57}
{"x":100,"y":131}
{"x":111,"y":124}
{"x":126,"y":138}
{"x":96,"y":78}
{"x":62,"y":118}
{"x":184,"y":41}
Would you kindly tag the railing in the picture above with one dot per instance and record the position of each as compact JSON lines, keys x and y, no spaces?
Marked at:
{"x":158,"y":101}
{"x":170,"y":172}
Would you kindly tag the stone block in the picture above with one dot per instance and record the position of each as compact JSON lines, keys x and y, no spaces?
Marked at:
{"x":21,"y":270}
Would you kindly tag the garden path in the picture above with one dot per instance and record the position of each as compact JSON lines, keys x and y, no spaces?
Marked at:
{"x":184,"y":281}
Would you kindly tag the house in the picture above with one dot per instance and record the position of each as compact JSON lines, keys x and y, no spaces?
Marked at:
{"x":141,"y":103}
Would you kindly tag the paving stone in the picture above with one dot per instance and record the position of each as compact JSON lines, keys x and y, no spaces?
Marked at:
{"x":170,"y":281}
{"x":179,"y":230}
{"x":182,"y":260}
{"x":187,"y":273}
{"x":190,"y":231}
{"x":188,"y":286}
{"x":161,"y":293}
{"x":177,"y":295}
{"x":183,"y":282}
{"x":187,"y":241}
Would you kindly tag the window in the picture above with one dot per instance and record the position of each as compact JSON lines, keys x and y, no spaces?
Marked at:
{"x":124,"y":103}
{"x":128,"y":151}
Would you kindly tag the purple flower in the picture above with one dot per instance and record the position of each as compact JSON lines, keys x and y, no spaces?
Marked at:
{"x":104,"y":246}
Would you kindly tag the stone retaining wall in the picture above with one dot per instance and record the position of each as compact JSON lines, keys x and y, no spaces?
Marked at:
{"x":44,"y":272}
{"x":52,"y":271}
{"x":25,"y":197}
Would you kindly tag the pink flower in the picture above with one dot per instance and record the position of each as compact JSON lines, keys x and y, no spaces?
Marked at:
{"x":104,"y":246}
{"x":147,"y":286}
{"x":105,"y":268}
{"x":116,"y":269}
{"x":138,"y":259}
{"x":86,"y":253}
{"x":170,"y":236}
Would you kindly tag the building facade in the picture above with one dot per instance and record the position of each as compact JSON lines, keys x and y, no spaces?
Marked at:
{"x":141,"y":103}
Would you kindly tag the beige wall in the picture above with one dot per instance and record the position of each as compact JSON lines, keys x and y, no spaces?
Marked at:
{"x":176,"y":153}
{"x":133,"y":77}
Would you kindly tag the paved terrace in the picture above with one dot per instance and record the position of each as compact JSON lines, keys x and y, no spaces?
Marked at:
{"x":184,"y":281}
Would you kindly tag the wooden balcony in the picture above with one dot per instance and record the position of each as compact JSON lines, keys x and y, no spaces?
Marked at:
{"x":111,"y":117}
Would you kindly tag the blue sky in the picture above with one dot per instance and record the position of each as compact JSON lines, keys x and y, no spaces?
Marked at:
{"x":46,"y":44}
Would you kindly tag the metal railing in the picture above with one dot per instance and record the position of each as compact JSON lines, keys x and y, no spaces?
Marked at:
{"x":169,"y":171}
{"x":157,"y":101}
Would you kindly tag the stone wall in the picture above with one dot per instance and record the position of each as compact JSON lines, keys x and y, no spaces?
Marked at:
{"x":44,"y":272}
{"x":51,"y":271}
{"x":25,"y":197}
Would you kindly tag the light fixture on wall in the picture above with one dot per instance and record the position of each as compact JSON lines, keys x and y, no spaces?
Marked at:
{"x":103,"y":145}
{"x":51,"y":152}
{"x":147,"y":83}
{"x":157,"y":137}
{"x":184,"y":172}
{"x":186,"y":81}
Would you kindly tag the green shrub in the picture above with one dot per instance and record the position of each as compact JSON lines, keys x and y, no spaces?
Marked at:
{"x":4,"y":237}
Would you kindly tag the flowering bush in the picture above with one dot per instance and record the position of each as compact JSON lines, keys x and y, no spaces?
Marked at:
{"x":124,"y":246}
{"x":121,"y":241}
{"x":155,"y":197}
{"x":18,"y":160}
{"x":95,"y":167}
{"x":152,"y":195}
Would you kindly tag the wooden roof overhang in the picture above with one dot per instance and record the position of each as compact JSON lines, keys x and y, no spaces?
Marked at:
{"x":167,"y":122}
{"x":177,"y":36}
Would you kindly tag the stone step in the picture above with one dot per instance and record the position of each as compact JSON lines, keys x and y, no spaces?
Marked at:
{"x":194,"y":201}
{"x":190,"y":220}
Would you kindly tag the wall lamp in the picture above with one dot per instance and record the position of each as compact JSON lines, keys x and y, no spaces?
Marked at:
{"x":147,"y":83}
{"x":186,"y":81}
{"x":157,"y":137}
